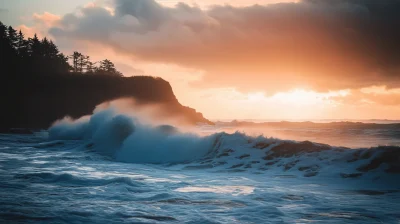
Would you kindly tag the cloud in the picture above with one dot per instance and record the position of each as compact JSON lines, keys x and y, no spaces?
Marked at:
{"x":3,"y":10}
{"x":378,"y":95}
{"x":30,"y":31}
{"x":128,"y":70}
{"x":47,"y":19}
{"x":208,"y":3}
{"x":317,"y":44}
{"x":41,"y":25}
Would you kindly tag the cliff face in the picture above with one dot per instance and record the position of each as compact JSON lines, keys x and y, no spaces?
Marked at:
{"x":38,"y":101}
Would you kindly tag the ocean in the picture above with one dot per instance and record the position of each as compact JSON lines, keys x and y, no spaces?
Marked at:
{"x":114,"y":168}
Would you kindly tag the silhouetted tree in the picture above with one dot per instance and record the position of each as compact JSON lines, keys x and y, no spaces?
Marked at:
{"x":62,"y":63}
{"x":3,"y":32}
{"x":53,"y":50}
{"x":45,"y":48}
{"x":108,"y":68}
{"x":34,"y":46}
{"x":82,"y":63}
{"x":13,"y":37}
{"x":22,"y":45}
{"x":90,"y":66}
{"x":9,"y":59}
{"x":76,"y":59}
{"x":6,"y":50}
{"x":42,"y":57}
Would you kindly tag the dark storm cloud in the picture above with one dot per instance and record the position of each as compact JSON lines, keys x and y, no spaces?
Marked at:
{"x":321,"y":44}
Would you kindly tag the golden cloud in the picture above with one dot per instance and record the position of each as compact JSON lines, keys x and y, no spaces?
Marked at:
{"x":318,"y":44}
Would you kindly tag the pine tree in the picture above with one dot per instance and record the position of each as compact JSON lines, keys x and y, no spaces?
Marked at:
{"x":42,"y":57}
{"x":90,"y":66}
{"x":4,"y":40}
{"x":53,"y":50}
{"x":108,"y":68}
{"x":35,"y":51}
{"x":3,"y":33}
{"x":45,"y":48}
{"x":8,"y":57}
{"x":22,"y":45}
{"x":35,"y":46}
{"x":83,"y":62}
{"x":13,"y":37}
{"x":62,"y":63}
{"x":76,"y":57}
{"x":6,"y":50}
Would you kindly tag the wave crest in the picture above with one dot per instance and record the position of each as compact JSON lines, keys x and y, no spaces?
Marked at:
{"x":127,"y":139}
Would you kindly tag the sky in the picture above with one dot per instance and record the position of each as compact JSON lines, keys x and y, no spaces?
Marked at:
{"x":239,"y":59}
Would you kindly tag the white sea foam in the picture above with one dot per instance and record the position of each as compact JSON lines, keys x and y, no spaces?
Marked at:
{"x":127,"y":138}
{"x":221,"y":178}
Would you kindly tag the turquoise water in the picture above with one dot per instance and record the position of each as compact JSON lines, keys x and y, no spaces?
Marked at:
{"x":64,"y":181}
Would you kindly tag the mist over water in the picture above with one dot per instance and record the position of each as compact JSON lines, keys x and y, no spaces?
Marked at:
{"x":120,"y":165}
{"x":131,"y":139}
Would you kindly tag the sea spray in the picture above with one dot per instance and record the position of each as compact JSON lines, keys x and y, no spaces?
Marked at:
{"x":127,"y":139}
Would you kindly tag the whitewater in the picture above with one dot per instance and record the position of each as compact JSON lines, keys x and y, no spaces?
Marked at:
{"x":111,"y":167}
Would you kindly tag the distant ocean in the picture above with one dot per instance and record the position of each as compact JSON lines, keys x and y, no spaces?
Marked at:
{"x":377,"y":121}
{"x":113,"y":168}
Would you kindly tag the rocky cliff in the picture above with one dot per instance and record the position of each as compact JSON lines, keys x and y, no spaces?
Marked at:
{"x":38,"y":101}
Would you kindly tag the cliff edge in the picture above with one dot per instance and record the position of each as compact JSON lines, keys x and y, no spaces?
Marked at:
{"x":39,"y":101}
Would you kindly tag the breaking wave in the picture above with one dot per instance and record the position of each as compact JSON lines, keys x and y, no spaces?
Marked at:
{"x":127,"y":139}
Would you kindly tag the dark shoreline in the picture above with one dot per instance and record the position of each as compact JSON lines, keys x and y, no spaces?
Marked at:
{"x":35,"y":102}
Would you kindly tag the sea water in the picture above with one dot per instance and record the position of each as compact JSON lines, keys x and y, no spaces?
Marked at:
{"x":111,"y":168}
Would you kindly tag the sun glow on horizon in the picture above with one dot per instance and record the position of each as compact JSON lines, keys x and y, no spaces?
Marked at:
{"x":302,"y":97}
{"x":219,"y":62}
{"x":298,"y":97}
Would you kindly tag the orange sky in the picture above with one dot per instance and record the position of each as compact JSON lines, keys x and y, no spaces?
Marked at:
{"x":285,"y":61}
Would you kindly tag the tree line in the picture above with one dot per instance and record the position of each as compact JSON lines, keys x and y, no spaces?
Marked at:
{"x":33,"y":56}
